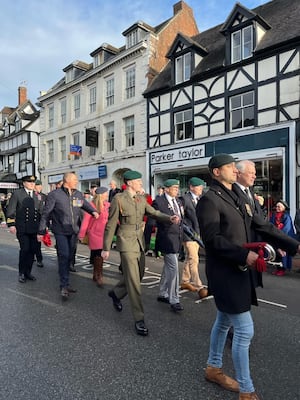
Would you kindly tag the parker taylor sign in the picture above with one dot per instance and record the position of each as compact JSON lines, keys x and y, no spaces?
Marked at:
{"x":188,"y":153}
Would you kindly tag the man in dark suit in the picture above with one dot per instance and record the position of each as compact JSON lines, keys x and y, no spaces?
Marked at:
{"x":226,"y":224}
{"x":23,"y":217}
{"x":190,"y":278}
{"x":42,"y":197}
{"x":113,"y":190}
{"x":169,"y":240}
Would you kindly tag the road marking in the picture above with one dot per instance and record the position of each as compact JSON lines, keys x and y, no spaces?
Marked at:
{"x":46,"y":302}
{"x":272,"y":303}
{"x":7,"y":267}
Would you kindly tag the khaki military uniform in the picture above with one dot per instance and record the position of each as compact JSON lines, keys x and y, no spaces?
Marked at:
{"x":127,"y":213}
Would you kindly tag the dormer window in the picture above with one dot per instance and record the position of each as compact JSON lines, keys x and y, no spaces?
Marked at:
{"x":132,"y":38}
{"x":183,"y":68}
{"x":242,"y":44}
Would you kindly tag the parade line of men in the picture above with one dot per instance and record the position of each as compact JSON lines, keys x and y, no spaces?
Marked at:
{"x":226,"y":216}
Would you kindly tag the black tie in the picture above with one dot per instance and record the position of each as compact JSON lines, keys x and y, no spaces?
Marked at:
{"x":30,"y":194}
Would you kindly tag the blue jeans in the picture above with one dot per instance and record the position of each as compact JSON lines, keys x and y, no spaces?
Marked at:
{"x":243,"y":331}
{"x":65,"y":246}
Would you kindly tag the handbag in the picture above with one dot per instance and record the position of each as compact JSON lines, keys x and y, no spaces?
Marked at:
{"x":85,"y":239}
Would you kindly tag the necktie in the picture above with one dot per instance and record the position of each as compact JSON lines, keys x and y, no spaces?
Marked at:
{"x":247,"y":191}
{"x":30,"y":194}
{"x":175,"y":207}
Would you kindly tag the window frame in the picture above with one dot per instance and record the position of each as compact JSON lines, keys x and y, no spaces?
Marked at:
{"x":110,"y":136}
{"x":129,"y":131}
{"x":63,"y":110}
{"x":76,"y":105}
{"x":63,"y":148}
{"x":242,"y":108}
{"x":130,"y":78}
{"x":183,"y":69}
{"x":50,"y":150}
{"x":242,"y":44}
{"x":182,"y":118}
{"x":110,"y":91}
{"x":92,"y":99}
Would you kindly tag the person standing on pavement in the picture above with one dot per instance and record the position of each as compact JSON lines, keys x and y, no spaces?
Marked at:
{"x":64,"y":206}
{"x":226,"y":224}
{"x":169,"y":240}
{"x":113,"y":190}
{"x":127,"y":210}
{"x":94,"y":229}
{"x":23,"y":218}
{"x":190,"y":278}
{"x":42,"y":197}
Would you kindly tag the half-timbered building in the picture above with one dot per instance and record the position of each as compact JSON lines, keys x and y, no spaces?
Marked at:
{"x":234,"y":88}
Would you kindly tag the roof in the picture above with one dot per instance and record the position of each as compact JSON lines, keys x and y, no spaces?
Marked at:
{"x":281,"y":15}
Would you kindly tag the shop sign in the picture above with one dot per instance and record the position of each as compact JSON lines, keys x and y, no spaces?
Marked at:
{"x":184,"y":154}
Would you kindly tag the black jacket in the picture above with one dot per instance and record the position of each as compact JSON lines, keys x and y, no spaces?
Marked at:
{"x":225,"y":225}
{"x":64,"y":211}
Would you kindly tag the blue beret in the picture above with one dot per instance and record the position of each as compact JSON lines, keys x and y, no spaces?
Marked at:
{"x":131,"y":175}
{"x":171,"y":182}
{"x":219,"y":160}
{"x":196,"y":182}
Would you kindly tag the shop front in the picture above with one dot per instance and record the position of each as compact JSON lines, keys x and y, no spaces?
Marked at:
{"x":272,"y":149}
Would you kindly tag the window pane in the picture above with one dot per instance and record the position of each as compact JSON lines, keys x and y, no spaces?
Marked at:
{"x":235,"y":102}
{"x":236,"y":119}
{"x":249,"y":116}
{"x":179,"y":70}
{"x":248,"y":99}
{"x":187,"y":66}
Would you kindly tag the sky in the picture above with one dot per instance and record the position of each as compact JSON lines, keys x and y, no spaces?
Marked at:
{"x":38,"y":39}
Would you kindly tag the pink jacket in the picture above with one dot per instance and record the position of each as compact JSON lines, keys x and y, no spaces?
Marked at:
{"x":94,"y":228}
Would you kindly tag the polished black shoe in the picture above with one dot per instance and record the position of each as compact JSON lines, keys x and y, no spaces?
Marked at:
{"x":30,"y":277}
{"x":71,"y":289}
{"x":64,"y":293}
{"x":116,"y":302}
{"x":72,"y":268}
{"x":140,"y":328}
{"x":22,"y":278}
{"x":176,"y":307}
{"x":40,"y":264}
{"x":163,"y":299}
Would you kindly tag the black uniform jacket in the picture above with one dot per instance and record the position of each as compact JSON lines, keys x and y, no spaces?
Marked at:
{"x":226,"y":223}
{"x":24,"y":212}
{"x":168,"y":236}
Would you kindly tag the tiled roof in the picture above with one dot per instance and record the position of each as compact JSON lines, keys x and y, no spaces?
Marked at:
{"x":281,"y":15}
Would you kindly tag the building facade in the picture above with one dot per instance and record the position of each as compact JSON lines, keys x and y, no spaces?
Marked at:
{"x":93,"y":121}
{"x":19,"y":142}
{"x":233,"y":89}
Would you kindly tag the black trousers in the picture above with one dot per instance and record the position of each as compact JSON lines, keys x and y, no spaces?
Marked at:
{"x":28,"y":248}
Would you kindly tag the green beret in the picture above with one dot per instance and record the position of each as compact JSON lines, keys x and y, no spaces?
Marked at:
{"x":219,"y":160}
{"x":196,"y":182}
{"x":131,"y":175}
{"x":171,"y":182}
{"x":38,"y":182}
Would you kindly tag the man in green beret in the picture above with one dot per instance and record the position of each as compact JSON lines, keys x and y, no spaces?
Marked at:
{"x":127,"y":211}
{"x":190,"y":278}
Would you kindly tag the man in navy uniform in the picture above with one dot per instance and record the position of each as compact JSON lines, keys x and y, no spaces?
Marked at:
{"x":23,"y":218}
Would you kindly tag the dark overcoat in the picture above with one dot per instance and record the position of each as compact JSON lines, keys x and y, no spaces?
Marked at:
{"x":169,"y":236}
{"x":24,"y":212}
{"x":226,"y":223}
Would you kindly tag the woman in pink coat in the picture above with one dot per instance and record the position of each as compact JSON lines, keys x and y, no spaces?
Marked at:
{"x":94,"y":229}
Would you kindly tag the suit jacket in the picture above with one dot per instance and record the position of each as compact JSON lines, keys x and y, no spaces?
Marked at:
{"x":24,"y":212}
{"x":169,"y":236}
{"x":128,"y":213}
{"x":226,"y":224}
{"x":190,"y":217}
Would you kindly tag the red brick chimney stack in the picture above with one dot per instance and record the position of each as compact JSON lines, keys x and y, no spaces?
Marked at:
{"x":22,"y":90}
{"x":178,"y":7}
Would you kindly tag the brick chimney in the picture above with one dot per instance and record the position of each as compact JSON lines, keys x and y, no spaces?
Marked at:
{"x":178,"y":7}
{"x":22,"y":90}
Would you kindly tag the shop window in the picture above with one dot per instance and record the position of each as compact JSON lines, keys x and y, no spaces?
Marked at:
{"x":183,"y":125}
{"x":242,"y":111}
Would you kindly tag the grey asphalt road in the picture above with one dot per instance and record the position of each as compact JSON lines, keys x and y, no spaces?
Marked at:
{"x":82,"y":349}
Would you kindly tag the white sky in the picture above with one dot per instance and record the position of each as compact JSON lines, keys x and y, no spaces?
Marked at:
{"x":39,"y":38}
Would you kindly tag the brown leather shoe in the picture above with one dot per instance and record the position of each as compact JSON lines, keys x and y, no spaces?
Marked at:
{"x":188,"y":286}
{"x":213,"y":374}
{"x":248,"y":396}
{"x":202,"y":293}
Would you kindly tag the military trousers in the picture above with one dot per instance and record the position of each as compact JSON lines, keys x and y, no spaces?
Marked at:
{"x":133,"y":266}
